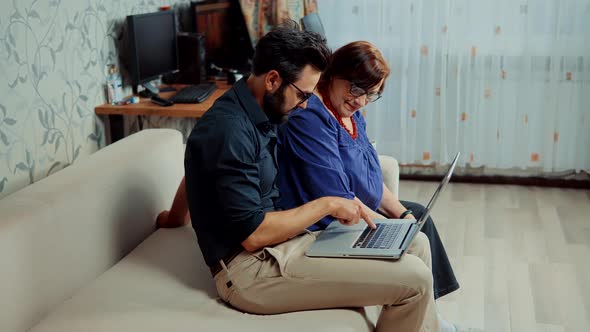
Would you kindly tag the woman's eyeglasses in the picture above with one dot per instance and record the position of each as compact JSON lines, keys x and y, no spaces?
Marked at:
{"x":357,"y":91}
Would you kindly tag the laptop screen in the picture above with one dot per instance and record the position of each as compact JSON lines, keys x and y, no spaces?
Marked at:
{"x":441,"y":186}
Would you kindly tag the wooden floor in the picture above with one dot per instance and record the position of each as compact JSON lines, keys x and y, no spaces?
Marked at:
{"x":521,"y":254}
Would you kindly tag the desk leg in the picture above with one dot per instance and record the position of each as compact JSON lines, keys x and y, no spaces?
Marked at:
{"x":139,"y":123}
{"x":117,"y":127}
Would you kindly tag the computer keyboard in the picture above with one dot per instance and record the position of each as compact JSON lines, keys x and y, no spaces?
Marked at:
{"x":380,"y":238}
{"x":194,"y":94}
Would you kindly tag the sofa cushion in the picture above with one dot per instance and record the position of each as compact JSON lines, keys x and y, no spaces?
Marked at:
{"x":164,"y":285}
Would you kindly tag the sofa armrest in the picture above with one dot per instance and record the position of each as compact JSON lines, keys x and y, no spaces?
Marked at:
{"x":390,"y":169}
{"x":60,"y":233}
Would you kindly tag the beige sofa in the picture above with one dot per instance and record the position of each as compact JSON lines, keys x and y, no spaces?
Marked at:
{"x":79,"y":252}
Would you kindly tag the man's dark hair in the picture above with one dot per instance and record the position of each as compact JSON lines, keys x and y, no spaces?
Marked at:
{"x":288,"y":50}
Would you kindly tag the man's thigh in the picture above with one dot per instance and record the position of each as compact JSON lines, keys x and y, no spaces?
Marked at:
{"x":282,"y":279}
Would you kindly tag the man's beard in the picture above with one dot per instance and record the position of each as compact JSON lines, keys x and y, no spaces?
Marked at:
{"x":273,"y":105}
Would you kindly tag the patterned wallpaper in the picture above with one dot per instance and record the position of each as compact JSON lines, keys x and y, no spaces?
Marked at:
{"x":53,"y":55}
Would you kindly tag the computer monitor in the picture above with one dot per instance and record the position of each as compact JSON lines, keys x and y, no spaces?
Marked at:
{"x":222,"y":24}
{"x":154,"y":50}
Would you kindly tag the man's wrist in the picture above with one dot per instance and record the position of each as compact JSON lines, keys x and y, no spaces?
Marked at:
{"x":327,"y":205}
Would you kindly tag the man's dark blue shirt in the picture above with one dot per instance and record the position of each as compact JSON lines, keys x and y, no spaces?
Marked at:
{"x":230,"y":167}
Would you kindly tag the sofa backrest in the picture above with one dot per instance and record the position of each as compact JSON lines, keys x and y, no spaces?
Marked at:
{"x":390,"y":169}
{"x":62,"y":232}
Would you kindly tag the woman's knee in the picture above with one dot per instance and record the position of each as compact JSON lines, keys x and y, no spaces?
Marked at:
{"x":418,"y":208}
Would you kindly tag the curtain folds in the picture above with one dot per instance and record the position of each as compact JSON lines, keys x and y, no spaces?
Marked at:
{"x":505,"y":82}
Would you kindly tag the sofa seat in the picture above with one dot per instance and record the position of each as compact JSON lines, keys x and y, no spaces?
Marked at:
{"x":165,"y":285}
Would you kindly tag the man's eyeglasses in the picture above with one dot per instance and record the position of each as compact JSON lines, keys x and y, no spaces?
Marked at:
{"x":357,"y":91}
{"x":303,"y":96}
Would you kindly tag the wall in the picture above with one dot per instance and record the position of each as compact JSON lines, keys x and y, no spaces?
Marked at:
{"x":53,"y":55}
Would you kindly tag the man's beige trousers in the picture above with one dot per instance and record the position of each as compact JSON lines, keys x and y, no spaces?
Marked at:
{"x":281,"y":279}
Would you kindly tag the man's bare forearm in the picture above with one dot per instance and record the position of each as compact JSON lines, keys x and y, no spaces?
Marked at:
{"x":279,"y":226}
{"x":179,"y":214}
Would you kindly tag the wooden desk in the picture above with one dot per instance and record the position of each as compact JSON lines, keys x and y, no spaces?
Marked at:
{"x":146,"y":108}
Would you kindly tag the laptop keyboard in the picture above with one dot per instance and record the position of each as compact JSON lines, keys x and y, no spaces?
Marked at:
{"x":382,"y":237}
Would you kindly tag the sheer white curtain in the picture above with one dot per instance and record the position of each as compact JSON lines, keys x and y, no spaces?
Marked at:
{"x":505,"y":82}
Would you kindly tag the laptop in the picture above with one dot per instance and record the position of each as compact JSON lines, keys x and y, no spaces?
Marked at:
{"x":390,"y":240}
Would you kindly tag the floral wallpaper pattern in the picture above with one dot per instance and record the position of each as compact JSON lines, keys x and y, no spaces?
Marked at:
{"x":53,"y":55}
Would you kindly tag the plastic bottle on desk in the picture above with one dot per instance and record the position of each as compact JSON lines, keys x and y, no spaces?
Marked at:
{"x":114,"y":85}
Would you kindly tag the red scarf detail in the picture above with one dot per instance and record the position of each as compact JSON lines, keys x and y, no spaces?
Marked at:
{"x":330,"y":107}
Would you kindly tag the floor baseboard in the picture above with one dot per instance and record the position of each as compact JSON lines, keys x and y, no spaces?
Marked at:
{"x":511,"y":180}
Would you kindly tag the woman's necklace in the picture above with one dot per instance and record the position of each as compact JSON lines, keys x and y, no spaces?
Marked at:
{"x":328,"y":103}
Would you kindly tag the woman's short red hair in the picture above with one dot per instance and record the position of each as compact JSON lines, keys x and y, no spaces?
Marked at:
{"x":359,"y":62}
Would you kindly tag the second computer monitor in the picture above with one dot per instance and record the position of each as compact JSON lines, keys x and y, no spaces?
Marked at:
{"x":222,"y":24}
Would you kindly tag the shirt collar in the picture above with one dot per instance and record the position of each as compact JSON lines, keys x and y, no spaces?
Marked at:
{"x":255,"y":113}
